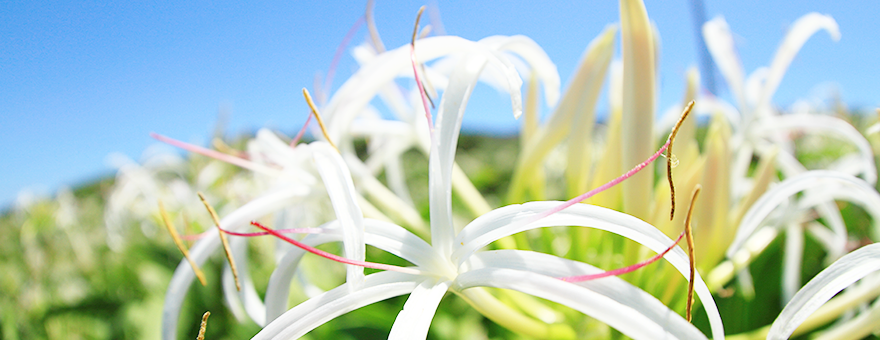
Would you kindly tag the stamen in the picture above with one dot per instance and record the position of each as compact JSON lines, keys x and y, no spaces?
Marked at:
{"x":428,"y":85}
{"x":337,"y":258}
{"x":691,"y":256}
{"x":602,"y":188}
{"x":285,"y":231}
{"x":256,"y":167}
{"x":179,"y":243}
{"x":412,"y":57}
{"x":670,"y":158}
{"x":371,"y":26}
{"x":204,"y":326}
{"x":318,"y":117}
{"x":301,"y":132}
{"x":624,"y":270}
{"x":223,"y":240}
{"x":328,"y":81}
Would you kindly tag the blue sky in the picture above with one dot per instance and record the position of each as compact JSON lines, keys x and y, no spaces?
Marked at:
{"x":82,"y":80}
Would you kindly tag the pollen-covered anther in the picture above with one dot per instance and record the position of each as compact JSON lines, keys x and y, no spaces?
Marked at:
{"x":691,"y":254}
{"x":670,"y":158}
{"x":412,"y":57}
{"x":318,"y":117}
{"x":203,"y":326}
{"x":223,"y":239}
{"x":171,"y":230}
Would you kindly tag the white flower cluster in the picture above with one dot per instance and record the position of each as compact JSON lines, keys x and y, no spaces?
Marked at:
{"x":741,"y":211}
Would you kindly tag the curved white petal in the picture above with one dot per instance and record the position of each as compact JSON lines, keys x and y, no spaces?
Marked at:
{"x":415,"y":318}
{"x":834,"y":185}
{"x":622,"y":317}
{"x":278,"y":289}
{"x":801,"y":30}
{"x":823,"y":124}
{"x":719,"y":41}
{"x":340,"y":300}
{"x":340,"y":188}
{"x":533,"y":54}
{"x":443,"y":147}
{"x":823,"y":287}
{"x":791,"y":261}
{"x":236,"y":221}
{"x":248,"y":295}
{"x":509,"y":220}
{"x":620,"y":291}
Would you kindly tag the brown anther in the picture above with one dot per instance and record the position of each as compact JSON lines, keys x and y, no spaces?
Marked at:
{"x":180,"y":245}
{"x":371,"y":26}
{"x":203,"y":326}
{"x":691,"y":256}
{"x":684,"y":114}
{"x":413,"y":43}
{"x":318,"y":118}
{"x":223,"y":239}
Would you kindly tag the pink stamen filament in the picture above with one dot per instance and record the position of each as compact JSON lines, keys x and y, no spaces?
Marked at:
{"x":215,"y":154}
{"x":624,"y":270}
{"x":301,"y":132}
{"x":285,"y":231}
{"x":338,"y":55}
{"x":412,"y":56}
{"x":337,"y":258}
{"x":602,"y":188}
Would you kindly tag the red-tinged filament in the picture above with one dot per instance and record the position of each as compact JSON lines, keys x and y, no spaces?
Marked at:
{"x":624,"y":270}
{"x":337,"y":258}
{"x":285,"y":231}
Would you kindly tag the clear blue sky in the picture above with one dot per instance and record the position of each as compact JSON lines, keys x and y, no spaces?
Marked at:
{"x":81,"y":80}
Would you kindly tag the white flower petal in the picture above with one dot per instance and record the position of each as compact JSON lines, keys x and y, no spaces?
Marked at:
{"x":791,"y":259}
{"x":248,"y":296}
{"x":340,"y":188}
{"x":801,"y":30}
{"x":834,"y":185}
{"x":613,"y":287}
{"x":719,"y":41}
{"x":823,"y":124}
{"x":533,"y":54}
{"x":443,"y":147}
{"x":622,"y":317}
{"x":340,"y":300}
{"x":278,"y":289}
{"x":823,"y":287}
{"x":415,"y":318}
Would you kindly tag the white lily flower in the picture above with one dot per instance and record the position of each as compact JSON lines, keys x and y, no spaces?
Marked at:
{"x":452,"y":263}
{"x":758,"y":125}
